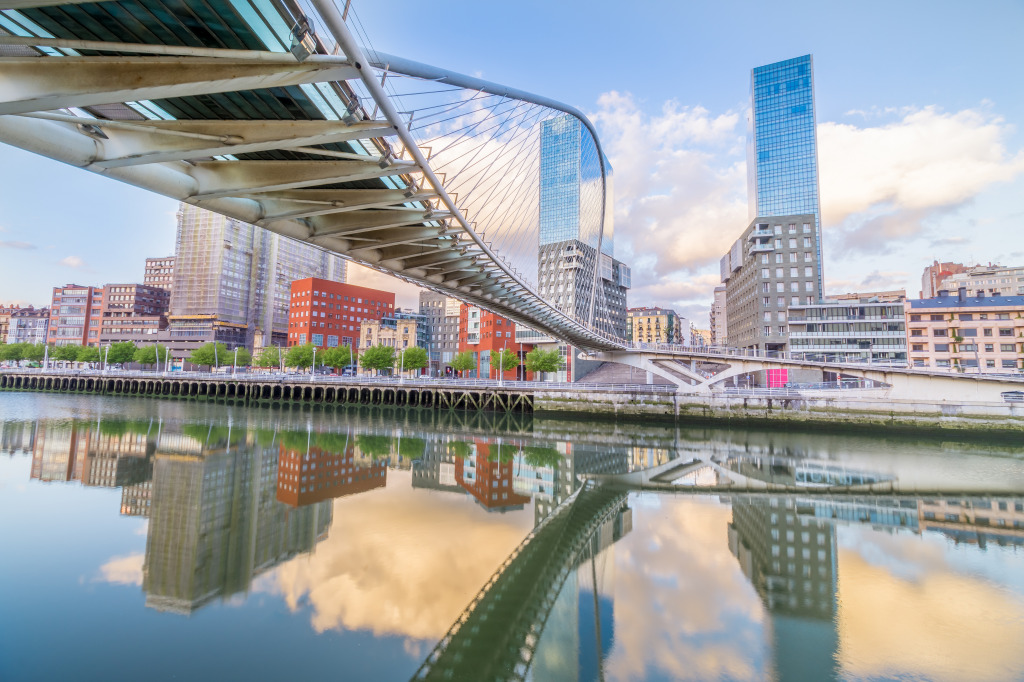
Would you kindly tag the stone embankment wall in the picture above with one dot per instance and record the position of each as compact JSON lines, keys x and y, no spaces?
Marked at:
{"x":827,"y":413}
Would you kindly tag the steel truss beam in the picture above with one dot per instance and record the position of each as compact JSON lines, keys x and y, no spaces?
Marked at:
{"x":45,"y":83}
{"x":230,"y":178}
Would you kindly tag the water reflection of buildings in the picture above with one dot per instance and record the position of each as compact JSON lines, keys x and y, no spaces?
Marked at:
{"x":17,"y":436}
{"x":487,"y":475}
{"x":976,"y":521}
{"x":314,"y":474}
{"x":789,"y":556}
{"x":215,"y":522}
{"x":94,"y":454}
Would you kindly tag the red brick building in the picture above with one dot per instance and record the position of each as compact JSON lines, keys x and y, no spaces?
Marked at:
{"x":327,"y":314}
{"x":314,"y":475}
{"x":483,"y":333}
{"x":75,"y":316}
{"x":488,"y":476}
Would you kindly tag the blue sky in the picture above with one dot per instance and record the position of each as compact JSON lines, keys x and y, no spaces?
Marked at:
{"x":919,"y":108}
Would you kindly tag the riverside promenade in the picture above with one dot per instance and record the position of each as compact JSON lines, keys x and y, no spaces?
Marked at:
{"x":817,"y":408}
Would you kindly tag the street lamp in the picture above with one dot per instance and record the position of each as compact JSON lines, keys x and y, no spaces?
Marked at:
{"x":401,"y":377}
{"x":106,"y":353}
{"x":501,"y":365}
{"x":280,"y":359}
{"x":216,"y":362}
{"x":312,"y":376}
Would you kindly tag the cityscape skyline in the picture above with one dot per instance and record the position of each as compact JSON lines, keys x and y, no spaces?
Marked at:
{"x":909,"y":165}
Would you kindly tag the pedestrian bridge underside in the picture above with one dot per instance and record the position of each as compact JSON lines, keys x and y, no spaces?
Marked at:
{"x":709,"y":369}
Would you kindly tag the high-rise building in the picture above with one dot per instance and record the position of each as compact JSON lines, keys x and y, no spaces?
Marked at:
{"x":28,"y":325}
{"x":782,"y":147}
{"x":133,"y":312}
{"x":75,"y":316}
{"x":772,"y":266}
{"x":571,"y":210}
{"x":657,"y":325}
{"x":859,"y":327}
{"x":328,"y":314}
{"x":442,"y":322}
{"x":232,"y":280}
{"x":160,"y":272}
{"x":719,"y":324}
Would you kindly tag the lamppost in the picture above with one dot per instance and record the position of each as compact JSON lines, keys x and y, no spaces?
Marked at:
{"x":216,"y":362}
{"x":501,"y":365}
{"x":312,"y":376}
{"x":401,"y":377}
{"x":280,"y":359}
{"x":46,"y":357}
{"x":234,"y":363}
{"x":106,"y":353}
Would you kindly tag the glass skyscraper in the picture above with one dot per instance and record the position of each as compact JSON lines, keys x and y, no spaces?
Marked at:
{"x":782,"y":147}
{"x":571,"y":203}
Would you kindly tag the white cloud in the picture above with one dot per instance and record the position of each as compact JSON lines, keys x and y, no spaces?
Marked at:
{"x":886,"y":182}
{"x":16,"y":245}
{"x":124,"y":570}
{"x":406,"y":295}
{"x":73,"y":262}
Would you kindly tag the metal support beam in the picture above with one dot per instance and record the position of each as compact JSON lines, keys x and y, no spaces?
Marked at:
{"x":230,"y":178}
{"x":42,"y":84}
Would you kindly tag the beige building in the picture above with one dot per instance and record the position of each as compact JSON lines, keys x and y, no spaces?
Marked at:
{"x":989,"y":279}
{"x":657,"y":325}
{"x":719,"y":326}
{"x":388,"y":332}
{"x":954,"y":331}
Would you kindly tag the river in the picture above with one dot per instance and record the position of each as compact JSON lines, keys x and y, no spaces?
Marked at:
{"x":150,"y":539}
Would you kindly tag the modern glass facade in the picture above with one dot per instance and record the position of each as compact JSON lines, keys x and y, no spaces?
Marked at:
{"x":782,"y":148}
{"x":572,"y":201}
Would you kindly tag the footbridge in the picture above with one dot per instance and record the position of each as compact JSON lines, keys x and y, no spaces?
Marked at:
{"x":709,"y":369}
{"x":496,"y":635}
{"x":271,"y":112}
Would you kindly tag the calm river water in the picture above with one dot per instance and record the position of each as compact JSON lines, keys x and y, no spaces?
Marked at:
{"x":143,"y":539}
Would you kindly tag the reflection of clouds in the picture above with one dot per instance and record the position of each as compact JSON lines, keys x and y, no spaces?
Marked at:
{"x":904,"y":556}
{"x":400,"y":561}
{"x":683,"y":608}
{"x":938,"y":626}
{"x":123,"y":570}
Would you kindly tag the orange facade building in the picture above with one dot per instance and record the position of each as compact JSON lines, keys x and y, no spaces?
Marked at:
{"x":327,"y":314}
{"x":483,"y":333}
{"x":315,"y":474}
{"x":488,"y":476}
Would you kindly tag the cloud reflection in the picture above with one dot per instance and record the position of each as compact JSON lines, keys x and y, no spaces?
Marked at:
{"x":124,"y":570}
{"x":399,"y":561}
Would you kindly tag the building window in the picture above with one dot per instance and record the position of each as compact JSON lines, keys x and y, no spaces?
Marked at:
{"x":939,"y":332}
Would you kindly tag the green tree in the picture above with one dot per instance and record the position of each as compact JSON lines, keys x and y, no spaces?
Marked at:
{"x":299,"y":356}
{"x":337,"y":357}
{"x":153,"y":354}
{"x":35,"y":352}
{"x":13,"y":351}
{"x":121,"y":352}
{"x":504,"y":361}
{"x":378,"y":357}
{"x":460,"y":449}
{"x":67,"y":353}
{"x":463,"y":361}
{"x":541,"y":456}
{"x":374,"y":446}
{"x":540,"y":360}
{"x":243,"y":359}
{"x":206,"y":355}
{"x":411,"y":448}
{"x":88,"y":354}
{"x":412,"y":359}
{"x":270,"y":356}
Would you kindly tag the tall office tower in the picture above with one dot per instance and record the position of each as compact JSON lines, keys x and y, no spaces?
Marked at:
{"x":570,"y":229}
{"x":232,"y":281}
{"x":782,"y":147}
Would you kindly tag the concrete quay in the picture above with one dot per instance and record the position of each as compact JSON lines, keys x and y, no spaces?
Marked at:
{"x":821,"y":410}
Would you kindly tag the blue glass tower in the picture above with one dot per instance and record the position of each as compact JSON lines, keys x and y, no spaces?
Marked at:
{"x":782,"y":145}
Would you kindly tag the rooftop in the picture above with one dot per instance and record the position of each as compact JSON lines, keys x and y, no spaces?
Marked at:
{"x":954,"y":301}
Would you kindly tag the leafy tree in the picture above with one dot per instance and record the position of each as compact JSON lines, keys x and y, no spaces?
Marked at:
{"x":411,"y":448}
{"x":300,"y":356}
{"x":540,"y":360}
{"x":460,"y":449}
{"x":121,"y":352}
{"x":412,"y":359}
{"x":34,"y":352}
{"x":504,"y":361}
{"x":463,"y":361}
{"x":378,"y":357}
{"x":270,"y":356}
{"x":243,"y":359}
{"x":374,"y":446}
{"x":541,"y":457}
{"x":13,"y":351}
{"x":501,"y":452}
{"x":207,"y":355}
{"x":88,"y":354}
{"x":337,"y":357}
{"x":67,"y":353}
{"x":153,"y":354}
